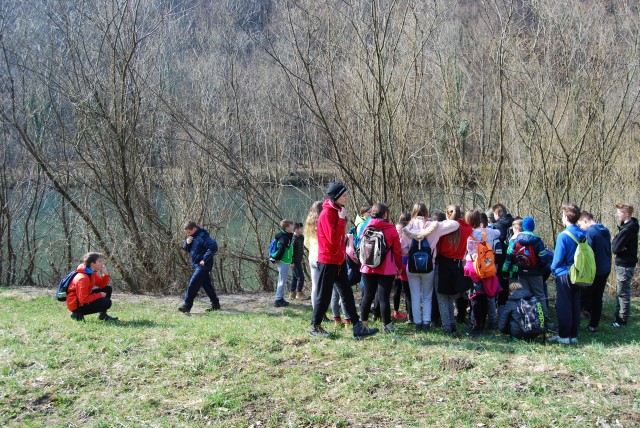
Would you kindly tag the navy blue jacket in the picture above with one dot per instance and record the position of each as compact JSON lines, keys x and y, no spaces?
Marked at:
{"x":600,"y":241}
{"x":510,"y":317}
{"x":625,"y":244}
{"x":534,"y":241}
{"x":203,"y":247}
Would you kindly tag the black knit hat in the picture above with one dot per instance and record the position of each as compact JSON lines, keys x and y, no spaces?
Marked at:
{"x":335,"y":190}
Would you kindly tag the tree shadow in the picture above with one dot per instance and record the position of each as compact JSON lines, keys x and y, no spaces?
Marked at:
{"x":138,"y":323}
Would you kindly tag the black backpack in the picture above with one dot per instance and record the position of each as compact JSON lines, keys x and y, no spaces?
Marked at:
{"x":532,"y":321}
{"x":420,"y":257}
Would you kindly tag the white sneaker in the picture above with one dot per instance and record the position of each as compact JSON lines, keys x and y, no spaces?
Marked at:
{"x":560,"y":340}
{"x":573,"y":340}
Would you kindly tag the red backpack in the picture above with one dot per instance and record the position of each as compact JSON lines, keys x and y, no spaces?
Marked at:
{"x":524,"y":256}
{"x":485,"y":261}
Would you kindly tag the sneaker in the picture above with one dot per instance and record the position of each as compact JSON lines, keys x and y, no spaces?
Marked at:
{"x":573,"y":341}
{"x":318,"y":331}
{"x":360,"y":330}
{"x":338,"y":321}
{"x":592,"y":329}
{"x":560,"y":340}
{"x":280,"y":303}
{"x":292,"y":295}
{"x":105,"y":317}
{"x":409,"y":322}
{"x":213,"y":307}
{"x":418,"y":327}
{"x":184,"y":309}
{"x":618,"y":323}
{"x":77,"y":316}
{"x":399,"y":316}
{"x":389,"y":328}
{"x":347,"y":322}
{"x":475,"y":331}
{"x":426,"y":327}
{"x":301,"y":296}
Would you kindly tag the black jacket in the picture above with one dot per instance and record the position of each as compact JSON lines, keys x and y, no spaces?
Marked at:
{"x":298,"y":248}
{"x":510,"y":317}
{"x":625,"y":244}
{"x":284,"y":241}
{"x":503,"y":224}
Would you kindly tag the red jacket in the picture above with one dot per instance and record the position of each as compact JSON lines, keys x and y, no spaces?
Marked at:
{"x":393,"y":260}
{"x":458,"y":253}
{"x":79,"y":292}
{"x":332,"y":248}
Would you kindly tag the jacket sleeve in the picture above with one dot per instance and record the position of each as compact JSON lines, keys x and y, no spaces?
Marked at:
{"x":102,"y":281}
{"x":186,"y":246}
{"x":543,"y":254}
{"x":619,"y":244}
{"x":83,"y":290}
{"x":559,"y":253}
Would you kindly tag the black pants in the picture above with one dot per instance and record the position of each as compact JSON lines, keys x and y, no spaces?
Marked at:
{"x":330,"y":274}
{"x":592,"y":298}
{"x":382,"y":285}
{"x":100,"y":305}
{"x":296,"y":282}
{"x":398,"y":287}
{"x":480,"y":306}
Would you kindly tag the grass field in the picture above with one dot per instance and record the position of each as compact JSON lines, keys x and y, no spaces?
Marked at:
{"x":254,"y":365}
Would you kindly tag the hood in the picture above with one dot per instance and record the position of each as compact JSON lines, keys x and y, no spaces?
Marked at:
{"x":520,"y":294}
{"x":380,"y":224}
{"x":506,"y":220}
{"x":527,"y":238}
{"x":330,"y":205}
{"x":283,"y":233}
{"x":631,"y":225}
{"x":576,"y":231}
{"x":201,"y":233}
{"x":602,"y":231}
{"x":84,"y":269}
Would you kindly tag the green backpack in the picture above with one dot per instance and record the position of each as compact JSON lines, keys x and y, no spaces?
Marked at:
{"x":583,"y":270}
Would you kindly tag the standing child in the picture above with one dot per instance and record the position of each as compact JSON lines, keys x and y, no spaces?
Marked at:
{"x":625,"y":247}
{"x":297,"y":275}
{"x":283,"y":256}
{"x":401,"y":283}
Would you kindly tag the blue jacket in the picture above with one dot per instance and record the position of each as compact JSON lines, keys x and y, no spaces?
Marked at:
{"x":601,"y":244}
{"x":565,"y":250}
{"x":203,"y":247}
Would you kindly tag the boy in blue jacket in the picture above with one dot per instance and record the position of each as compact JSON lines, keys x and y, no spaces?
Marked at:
{"x":567,"y":294}
{"x":201,"y":247}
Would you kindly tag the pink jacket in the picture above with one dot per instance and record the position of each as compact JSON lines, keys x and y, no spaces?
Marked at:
{"x":393,"y":261}
{"x":420,"y":228}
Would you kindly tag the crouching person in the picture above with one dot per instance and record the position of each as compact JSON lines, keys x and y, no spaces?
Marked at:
{"x":89,"y":291}
{"x":522,"y":316}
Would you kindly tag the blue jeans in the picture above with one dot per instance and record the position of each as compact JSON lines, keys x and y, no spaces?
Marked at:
{"x":421,"y":286}
{"x":567,"y":307}
{"x":283,"y":272}
{"x":623,"y":293}
{"x":201,"y":278}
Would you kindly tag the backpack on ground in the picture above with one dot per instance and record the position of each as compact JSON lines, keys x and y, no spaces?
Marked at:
{"x":63,"y":286}
{"x":420,"y":257}
{"x":373,"y":247}
{"x":273,"y":248}
{"x":583,"y":270}
{"x":524,"y":256}
{"x":485,"y":262}
{"x":532,"y":321}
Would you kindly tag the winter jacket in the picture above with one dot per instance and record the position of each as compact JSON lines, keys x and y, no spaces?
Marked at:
{"x":527,"y":239}
{"x":79,"y":292}
{"x":284,"y":252}
{"x":451,"y":252}
{"x":510,"y":317}
{"x":203,"y":247}
{"x":422,"y":228}
{"x":503,"y":224}
{"x":600,"y":240}
{"x":625,"y":244}
{"x":331,"y":235}
{"x":298,"y":248}
{"x":393,"y":260}
{"x":565,"y":250}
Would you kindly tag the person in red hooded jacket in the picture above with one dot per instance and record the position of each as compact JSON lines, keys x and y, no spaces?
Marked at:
{"x":89,"y":291}
{"x":332,"y":266}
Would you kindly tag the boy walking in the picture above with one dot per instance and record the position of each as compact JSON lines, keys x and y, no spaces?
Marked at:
{"x":283,"y":256}
{"x":201,"y":247}
{"x":297,"y":274}
{"x":625,"y":247}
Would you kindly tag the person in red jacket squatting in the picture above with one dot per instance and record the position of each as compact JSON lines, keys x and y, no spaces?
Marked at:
{"x":89,"y":291}
{"x":332,"y":266}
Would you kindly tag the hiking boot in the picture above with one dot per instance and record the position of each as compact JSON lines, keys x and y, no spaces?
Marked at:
{"x":105,"y":317}
{"x":560,"y":340}
{"x":77,"y":316}
{"x":318,"y":331}
{"x":418,"y":327}
{"x":292,"y":295}
{"x":399,"y":316}
{"x":426,"y":327}
{"x":184,"y":309}
{"x":301,"y":296}
{"x":280,"y":303}
{"x":361,"y":330}
{"x":389,"y":328}
{"x":213,"y":307}
{"x":592,"y":329}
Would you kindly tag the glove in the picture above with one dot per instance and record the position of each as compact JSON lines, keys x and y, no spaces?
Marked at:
{"x":342,"y":213}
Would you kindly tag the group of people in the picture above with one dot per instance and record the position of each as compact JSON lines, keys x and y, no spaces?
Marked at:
{"x":518,"y":266}
{"x":476,"y":262}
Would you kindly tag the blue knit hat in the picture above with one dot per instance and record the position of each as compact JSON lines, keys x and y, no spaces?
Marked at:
{"x":528,"y":225}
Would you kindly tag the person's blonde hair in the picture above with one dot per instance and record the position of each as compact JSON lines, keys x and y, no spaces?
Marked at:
{"x":311,"y":223}
{"x":625,"y":208}
{"x":515,"y":286}
{"x":419,"y":209}
{"x":517,"y":224}
{"x":453,"y":212}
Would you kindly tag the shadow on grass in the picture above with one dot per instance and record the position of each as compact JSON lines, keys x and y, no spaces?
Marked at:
{"x":139,"y":323}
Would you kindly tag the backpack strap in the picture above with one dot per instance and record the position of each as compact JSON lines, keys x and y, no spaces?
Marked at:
{"x":572,"y":237}
{"x":484,"y":234}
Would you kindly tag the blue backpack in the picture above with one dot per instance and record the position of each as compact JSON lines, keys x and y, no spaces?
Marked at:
{"x":63,"y":286}
{"x":420,"y":257}
{"x":273,"y":248}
